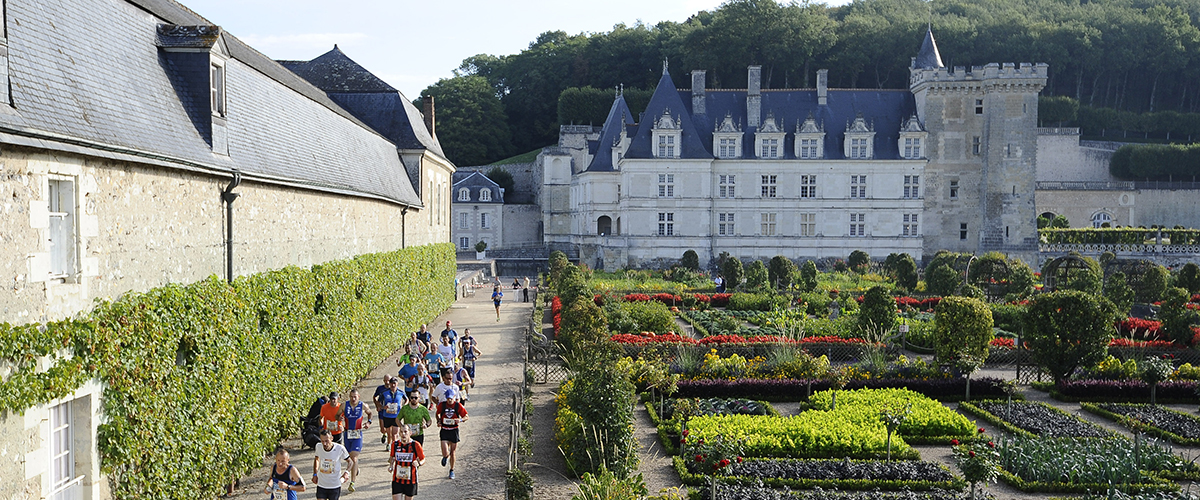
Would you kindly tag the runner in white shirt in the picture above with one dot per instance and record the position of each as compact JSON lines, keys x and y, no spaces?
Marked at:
{"x":328,"y":473}
{"x":447,"y":384}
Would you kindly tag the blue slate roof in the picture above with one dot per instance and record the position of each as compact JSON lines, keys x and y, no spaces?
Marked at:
{"x":368,"y":98}
{"x":618,"y":116}
{"x":474,"y":182}
{"x":666,"y":98}
{"x":130,"y":98}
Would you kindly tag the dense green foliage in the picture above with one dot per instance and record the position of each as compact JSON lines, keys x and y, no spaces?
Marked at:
{"x":942,"y":280}
{"x":877,"y":316}
{"x":189,"y":364}
{"x":780,"y":271}
{"x":1156,"y":162}
{"x":1103,"y":54}
{"x":732,"y":272}
{"x":808,"y":276}
{"x":603,"y":400}
{"x":1189,"y":278}
{"x":471,"y":123}
{"x":1069,"y":329}
{"x":757,"y":277}
{"x":690,"y":260}
{"x":1176,"y":318}
{"x":962,"y":331}
{"x":502,"y":177}
{"x":858,"y":260}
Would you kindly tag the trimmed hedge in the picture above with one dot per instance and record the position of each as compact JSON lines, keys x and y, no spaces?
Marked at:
{"x":1156,"y":162}
{"x":692,"y":479}
{"x":1145,"y":427}
{"x":1117,"y":235}
{"x":184,"y":367}
{"x":1125,"y":391}
{"x":797,"y":390}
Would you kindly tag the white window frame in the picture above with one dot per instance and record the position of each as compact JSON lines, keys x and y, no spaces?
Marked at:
{"x":485,"y":194}
{"x":808,"y":149}
{"x":464,"y":243}
{"x":484,"y":223}
{"x":64,"y":483}
{"x":727,"y":186}
{"x":979,"y":106}
{"x":912,"y":147}
{"x":769,"y":185}
{"x":727,"y":147}
{"x":666,"y":146}
{"x":808,"y":186}
{"x":858,"y":148}
{"x":858,"y":186}
{"x":217,"y":88}
{"x":464,"y":194}
{"x":911,"y":225}
{"x":912,"y":186}
{"x":767,"y":223}
{"x":464,"y":220}
{"x":1100,"y":218}
{"x":666,"y":223}
{"x":666,"y":185}
{"x":953,"y":189}
{"x":858,"y":225}
{"x":60,"y":229}
{"x":725,"y":224}
{"x":769,"y":148}
{"x":808,"y":224}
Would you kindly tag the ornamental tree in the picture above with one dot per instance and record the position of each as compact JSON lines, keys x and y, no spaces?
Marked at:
{"x":1189,"y":278}
{"x":878,"y":313}
{"x":1118,"y":291}
{"x":1176,"y":318}
{"x":1068,"y":329}
{"x":732,"y":271}
{"x":690,"y":260}
{"x":808,"y":276}
{"x":942,"y":280}
{"x":961,"y":334}
{"x":780,"y":271}
{"x":756,"y":275}
{"x":859,"y":260}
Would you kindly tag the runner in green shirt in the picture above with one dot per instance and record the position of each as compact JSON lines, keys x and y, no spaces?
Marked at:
{"x":415,"y":416}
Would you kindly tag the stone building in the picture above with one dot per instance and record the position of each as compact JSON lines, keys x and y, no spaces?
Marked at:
{"x":478,"y":205}
{"x":804,"y":173}
{"x":128,"y":129}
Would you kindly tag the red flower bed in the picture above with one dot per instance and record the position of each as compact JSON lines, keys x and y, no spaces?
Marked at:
{"x":723,"y":339}
{"x":830,"y":339}
{"x":1138,"y":327}
{"x":1003,"y":343}
{"x":721,"y":299}
{"x":598,"y":300}
{"x":1152,"y":344}
{"x":556,"y":312}
{"x":930,"y":303}
{"x":625,"y":338}
{"x":908,"y":302}
{"x":668,"y":298}
{"x":1196,"y":298}
{"x":700,"y":297}
{"x":637,"y":297}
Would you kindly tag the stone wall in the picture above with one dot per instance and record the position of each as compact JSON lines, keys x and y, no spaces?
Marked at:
{"x":522,"y":226}
{"x":140,"y":227}
{"x":1143,"y":207}
{"x":1061,"y":157}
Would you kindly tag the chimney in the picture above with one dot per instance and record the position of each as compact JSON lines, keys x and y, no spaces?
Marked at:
{"x":822,"y":86}
{"x":698,"y":107}
{"x":429,"y":121}
{"x":753,"y":96}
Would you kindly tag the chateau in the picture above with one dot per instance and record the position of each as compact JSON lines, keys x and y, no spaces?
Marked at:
{"x":949,"y":163}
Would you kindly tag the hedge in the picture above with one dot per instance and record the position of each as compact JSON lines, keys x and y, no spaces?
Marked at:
{"x":1156,"y":162}
{"x":951,"y":389}
{"x":217,"y":374}
{"x":692,"y":479}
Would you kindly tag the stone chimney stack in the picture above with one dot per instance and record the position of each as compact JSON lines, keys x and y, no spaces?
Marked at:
{"x":822,"y":87}
{"x":753,"y":96}
{"x":698,"y":107}
{"x":428,"y":112}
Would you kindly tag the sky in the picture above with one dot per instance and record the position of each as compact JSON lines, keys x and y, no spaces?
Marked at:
{"x":411,"y":45}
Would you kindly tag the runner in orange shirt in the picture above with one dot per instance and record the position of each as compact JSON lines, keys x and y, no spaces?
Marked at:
{"x":331,"y":418}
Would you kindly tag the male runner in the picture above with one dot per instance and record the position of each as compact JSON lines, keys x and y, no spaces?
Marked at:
{"x":390,"y":403}
{"x":327,"y":467}
{"x":415,"y":416}
{"x":403,"y":459}
{"x":383,"y":438}
{"x":469,"y":351}
{"x":352,"y":415}
{"x":330,"y":420}
{"x":450,"y":413}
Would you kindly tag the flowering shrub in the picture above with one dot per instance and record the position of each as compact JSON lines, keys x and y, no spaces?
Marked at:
{"x":1003,"y":343}
{"x":636,"y":297}
{"x":1140,"y":328}
{"x":667,"y":298}
{"x":700,"y":297}
{"x":556,"y":312}
{"x":720,"y":299}
{"x":712,"y":455}
{"x":626,"y":338}
{"x":1144,"y":344}
{"x":979,"y":461}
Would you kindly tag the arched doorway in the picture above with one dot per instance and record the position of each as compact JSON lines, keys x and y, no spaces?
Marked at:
{"x":604,"y":225}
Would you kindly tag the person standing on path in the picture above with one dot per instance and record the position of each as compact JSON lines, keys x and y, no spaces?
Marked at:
{"x":415,"y":416}
{"x":379,"y":406}
{"x":327,"y":467}
{"x":405,"y":456}
{"x":284,"y":477}
{"x":497,"y":295}
{"x":352,"y":415}
{"x":450,"y":413}
{"x":331,"y":418}
{"x":390,"y":402}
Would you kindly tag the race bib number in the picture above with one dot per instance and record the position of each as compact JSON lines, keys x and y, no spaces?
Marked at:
{"x":415,"y":428}
{"x":449,"y":421}
{"x":354,"y":434}
{"x":331,"y":425}
{"x":326,"y":466}
{"x":279,"y":493}
{"x":404,"y":457}
{"x":404,"y":472}
{"x":392,"y":408}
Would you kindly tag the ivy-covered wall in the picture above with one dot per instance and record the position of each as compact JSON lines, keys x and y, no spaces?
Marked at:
{"x":201,"y":380}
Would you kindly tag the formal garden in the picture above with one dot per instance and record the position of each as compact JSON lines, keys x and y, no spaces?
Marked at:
{"x":894,"y":382}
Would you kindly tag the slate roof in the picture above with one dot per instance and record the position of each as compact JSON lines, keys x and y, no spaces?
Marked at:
{"x":928,"y":57}
{"x":618,"y":116}
{"x":474,"y":181}
{"x":666,"y":98}
{"x":129,"y":99}
{"x":368,"y":98}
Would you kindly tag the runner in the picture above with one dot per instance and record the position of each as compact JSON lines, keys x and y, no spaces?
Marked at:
{"x":462,"y":381}
{"x":450,"y":331}
{"x":469,"y":351}
{"x":409,"y":369}
{"x":352,"y":415}
{"x":423,"y":334}
{"x":330,"y":418}
{"x":450,"y":413}
{"x":448,"y":350}
{"x":284,"y":477}
{"x":446,"y":385}
{"x":497,"y":295}
{"x":327,"y":467}
{"x":421,"y":385}
{"x":383,"y":439}
{"x":405,"y":456}
{"x":415,"y":416}
{"x":434,"y":361}
{"x":390,"y":402}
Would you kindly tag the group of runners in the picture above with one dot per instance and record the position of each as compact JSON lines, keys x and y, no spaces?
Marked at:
{"x":429,"y":389}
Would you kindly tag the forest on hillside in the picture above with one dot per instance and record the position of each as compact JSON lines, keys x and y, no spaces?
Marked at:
{"x":1128,"y":55}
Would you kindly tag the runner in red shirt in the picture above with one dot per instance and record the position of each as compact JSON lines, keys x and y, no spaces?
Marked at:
{"x":449,"y":414}
{"x":405,"y":456}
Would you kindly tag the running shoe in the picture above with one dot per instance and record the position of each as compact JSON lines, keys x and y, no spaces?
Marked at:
{"x":351,"y":488}
{"x":444,"y":459}
{"x":383,"y":439}
{"x":452,"y":474}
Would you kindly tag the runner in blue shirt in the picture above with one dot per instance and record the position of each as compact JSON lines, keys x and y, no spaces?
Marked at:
{"x":352,"y":414}
{"x":497,"y":295}
{"x":389,"y":405}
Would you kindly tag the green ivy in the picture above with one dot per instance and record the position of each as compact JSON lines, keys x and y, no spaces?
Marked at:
{"x":215,"y":374}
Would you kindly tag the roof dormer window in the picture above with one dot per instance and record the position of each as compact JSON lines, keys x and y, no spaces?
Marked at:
{"x":911,"y":143}
{"x":860,"y":140}
{"x":769,"y":139}
{"x":485,"y":194}
{"x":464,"y":194}
{"x":668,"y":135}
{"x":727,"y":138}
{"x":217,"y":87}
{"x":810,"y":139}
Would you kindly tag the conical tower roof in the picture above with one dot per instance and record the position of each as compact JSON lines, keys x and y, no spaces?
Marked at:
{"x":928,"y":57}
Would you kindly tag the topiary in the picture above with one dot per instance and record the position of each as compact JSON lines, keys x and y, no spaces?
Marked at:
{"x":905,"y":270}
{"x":1189,"y":278}
{"x":1068,"y":329}
{"x":963,"y":329}
{"x":780,"y":271}
{"x":859,"y":260}
{"x":1117,"y":291}
{"x":690,"y":260}
{"x":808,"y":276}
{"x":732,"y":271}
{"x":942,"y":280}
{"x":878,"y":313}
{"x":1176,"y":317}
{"x":1154,"y":283}
{"x":757,"y":276}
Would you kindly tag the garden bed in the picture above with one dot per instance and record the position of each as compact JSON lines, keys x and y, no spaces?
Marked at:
{"x":929,"y":422}
{"x":764,"y":492}
{"x":952,"y":389}
{"x":1166,"y":423}
{"x":1124,"y":391}
{"x":811,"y":434}
{"x":1034,"y":419}
{"x":1074,"y":465}
{"x":910,"y":475}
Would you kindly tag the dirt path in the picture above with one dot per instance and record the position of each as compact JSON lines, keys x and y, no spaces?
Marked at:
{"x":483,"y":452}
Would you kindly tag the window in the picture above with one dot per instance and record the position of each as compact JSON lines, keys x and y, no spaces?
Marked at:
{"x":666,"y":223}
{"x":979,"y":106}
{"x":727,"y":148}
{"x":808,"y":186}
{"x":464,"y":194}
{"x":217,"y":85}
{"x":1100,"y":219}
{"x":808,"y":149}
{"x":910,"y":225}
{"x":808,"y":224}
{"x":912,"y":147}
{"x":61,"y":198}
{"x":727,"y":186}
{"x":953,"y":190}
{"x":666,"y":146}
{"x":912,"y":186}
{"x":858,"y":226}
{"x":485,"y":221}
{"x":962,"y":231}
{"x":768,"y":186}
{"x":63,"y":483}
{"x":767,"y":227}
{"x":858,"y":148}
{"x":858,"y":186}
{"x":485,"y":194}
{"x":666,"y":185}
{"x":463,"y":219}
{"x":725,"y":224}
{"x":464,"y":242}
{"x":770,"y":148}
{"x":976,"y":145}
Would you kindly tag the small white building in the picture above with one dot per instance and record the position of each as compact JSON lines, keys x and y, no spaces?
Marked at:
{"x":478,"y":205}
